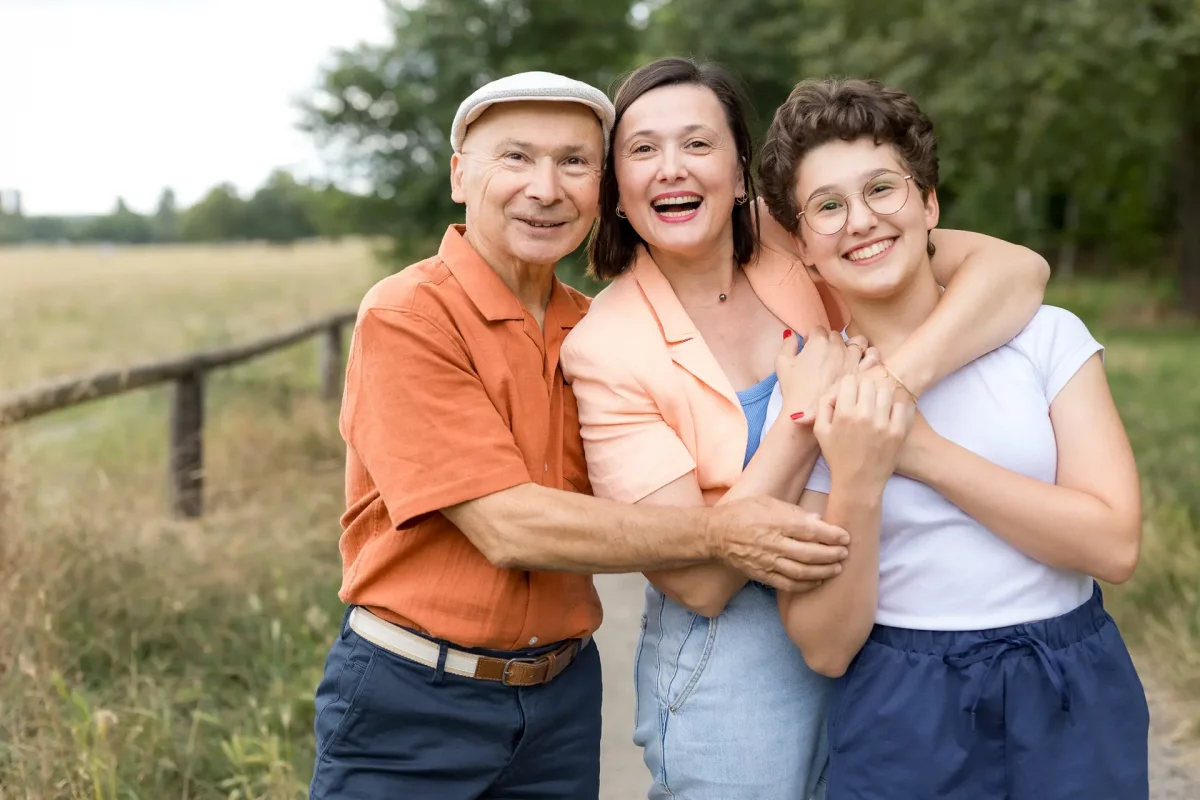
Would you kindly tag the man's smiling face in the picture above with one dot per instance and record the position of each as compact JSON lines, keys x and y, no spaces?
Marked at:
{"x":529,"y":175}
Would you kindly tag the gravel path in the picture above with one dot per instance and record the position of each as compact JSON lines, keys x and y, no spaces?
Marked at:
{"x":1174,"y":771}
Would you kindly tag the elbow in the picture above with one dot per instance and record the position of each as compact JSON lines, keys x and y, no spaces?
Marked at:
{"x":703,"y":601}
{"x":829,"y":658}
{"x":1121,"y":560}
{"x":1039,"y":273}
{"x":830,"y":663}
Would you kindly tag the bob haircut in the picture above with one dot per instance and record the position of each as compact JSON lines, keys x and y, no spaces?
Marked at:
{"x":613,"y":247}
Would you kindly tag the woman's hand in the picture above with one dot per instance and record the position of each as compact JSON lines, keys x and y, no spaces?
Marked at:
{"x":861,"y":426}
{"x":919,"y":446}
{"x":805,"y":376}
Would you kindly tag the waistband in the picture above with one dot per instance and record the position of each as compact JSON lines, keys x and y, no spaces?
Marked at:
{"x":1055,"y":632}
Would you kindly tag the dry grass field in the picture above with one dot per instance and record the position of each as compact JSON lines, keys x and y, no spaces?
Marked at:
{"x":144,"y":657}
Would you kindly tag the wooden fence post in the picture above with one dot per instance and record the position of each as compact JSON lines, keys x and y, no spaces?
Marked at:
{"x":330,"y":363}
{"x":187,"y":445}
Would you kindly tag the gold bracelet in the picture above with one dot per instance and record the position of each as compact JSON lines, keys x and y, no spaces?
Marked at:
{"x":899,"y":383}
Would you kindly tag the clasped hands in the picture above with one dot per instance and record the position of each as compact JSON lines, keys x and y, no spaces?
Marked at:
{"x":864,"y":417}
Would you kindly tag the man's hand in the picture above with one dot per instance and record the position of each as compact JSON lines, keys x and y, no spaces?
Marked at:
{"x":777,"y":543}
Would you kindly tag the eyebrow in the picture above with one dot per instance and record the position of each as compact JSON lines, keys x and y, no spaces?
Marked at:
{"x":686,"y":130}
{"x":566,"y":150}
{"x":866,"y":176}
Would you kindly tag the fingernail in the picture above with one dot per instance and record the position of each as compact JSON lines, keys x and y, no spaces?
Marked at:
{"x":787,"y":332}
{"x":798,"y":415}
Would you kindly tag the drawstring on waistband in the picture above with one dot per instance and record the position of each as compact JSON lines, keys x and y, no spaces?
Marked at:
{"x":992,"y":649}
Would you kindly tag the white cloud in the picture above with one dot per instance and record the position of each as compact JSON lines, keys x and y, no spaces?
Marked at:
{"x":108,"y":98}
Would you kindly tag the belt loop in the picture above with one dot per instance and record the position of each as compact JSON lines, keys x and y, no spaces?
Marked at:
{"x":439,"y":672}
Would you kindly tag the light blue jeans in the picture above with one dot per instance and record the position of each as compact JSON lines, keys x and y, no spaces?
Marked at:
{"x":726,"y":708}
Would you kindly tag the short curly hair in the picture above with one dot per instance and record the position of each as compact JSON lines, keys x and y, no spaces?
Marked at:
{"x":820,"y":111}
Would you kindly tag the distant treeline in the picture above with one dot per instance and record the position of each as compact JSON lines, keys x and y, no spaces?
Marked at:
{"x":282,"y":210}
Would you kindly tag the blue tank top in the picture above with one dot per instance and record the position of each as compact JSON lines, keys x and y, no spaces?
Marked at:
{"x":754,"y":405}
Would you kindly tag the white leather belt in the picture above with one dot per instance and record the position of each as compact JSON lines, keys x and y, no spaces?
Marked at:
{"x":518,"y":671}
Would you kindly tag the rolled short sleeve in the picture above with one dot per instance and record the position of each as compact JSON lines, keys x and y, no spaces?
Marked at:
{"x":630,"y":449}
{"x":419,"y":418}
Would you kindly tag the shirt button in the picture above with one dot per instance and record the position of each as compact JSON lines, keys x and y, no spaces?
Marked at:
{"x":533,"y":640}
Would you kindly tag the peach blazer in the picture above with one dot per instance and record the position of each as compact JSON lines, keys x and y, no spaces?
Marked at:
{"x":654,"y":404}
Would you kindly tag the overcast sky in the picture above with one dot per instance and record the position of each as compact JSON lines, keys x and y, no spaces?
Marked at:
{"x":108,"y":98}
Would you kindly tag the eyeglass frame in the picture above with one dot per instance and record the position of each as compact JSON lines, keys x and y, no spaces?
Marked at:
{"x":846,"y":199}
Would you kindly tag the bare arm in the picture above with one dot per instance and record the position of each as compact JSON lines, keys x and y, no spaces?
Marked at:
{"x":779,"y":469}
{"x":993,"y":289}
{"x":830,"y":623}
{"x":1088,"y":521}
{"x":861,"y":439}
{"x":535,"y":528}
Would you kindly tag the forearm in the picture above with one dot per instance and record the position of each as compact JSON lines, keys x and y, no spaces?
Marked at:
{"x":830,"y":623}
{"x":535,"y":528}
{"x":992,"y":291}
{"x":1056,"y":525}
{"x":780,"y":469}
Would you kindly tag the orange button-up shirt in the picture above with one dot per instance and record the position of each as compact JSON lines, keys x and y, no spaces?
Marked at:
{"x":452,"y":393}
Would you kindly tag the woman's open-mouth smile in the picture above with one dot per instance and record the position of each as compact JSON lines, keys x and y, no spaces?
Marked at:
{"x":677,"y":206}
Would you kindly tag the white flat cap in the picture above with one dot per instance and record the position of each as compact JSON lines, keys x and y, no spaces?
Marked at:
{"x":531,"y":86}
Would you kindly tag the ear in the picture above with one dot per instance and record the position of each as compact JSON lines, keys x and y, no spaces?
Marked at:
{"x":802,"y":250}
{"x":933,"y":211}
{"x":456,"y":179}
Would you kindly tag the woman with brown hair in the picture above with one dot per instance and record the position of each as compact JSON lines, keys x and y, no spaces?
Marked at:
{"x":672,"y":369}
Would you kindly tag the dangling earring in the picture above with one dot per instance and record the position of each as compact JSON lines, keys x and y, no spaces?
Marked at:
{"x":621,"y":213}
{"x":740,"y":200}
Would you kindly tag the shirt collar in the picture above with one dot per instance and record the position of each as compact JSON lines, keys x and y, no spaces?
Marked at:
{"x":491,"y":295}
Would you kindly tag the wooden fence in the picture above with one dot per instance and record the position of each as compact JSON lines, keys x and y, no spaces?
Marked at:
{"x":187,"y":374}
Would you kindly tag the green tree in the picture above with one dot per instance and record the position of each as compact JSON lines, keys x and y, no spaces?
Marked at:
{"x":166,"y":217}
{"x":387,"y":109}
{"x":280,"y":210}
{"x":220,"y":216}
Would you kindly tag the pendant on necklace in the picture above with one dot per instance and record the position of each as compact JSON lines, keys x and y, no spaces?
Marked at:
{"x":722,"y":297}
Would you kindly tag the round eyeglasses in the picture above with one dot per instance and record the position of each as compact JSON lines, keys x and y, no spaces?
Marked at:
{"x":886,"y":193}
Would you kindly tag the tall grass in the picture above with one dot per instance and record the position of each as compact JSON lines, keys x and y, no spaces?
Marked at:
{"x":142,"y":656}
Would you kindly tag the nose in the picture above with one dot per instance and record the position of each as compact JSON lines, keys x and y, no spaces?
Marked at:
{"x":859,"y":216}
{"x":544,"y":185}
{"x":670,"y":166}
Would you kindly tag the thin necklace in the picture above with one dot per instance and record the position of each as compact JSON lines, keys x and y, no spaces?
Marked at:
{"x":723,"y":296}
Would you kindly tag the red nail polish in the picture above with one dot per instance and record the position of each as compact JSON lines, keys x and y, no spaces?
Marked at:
{"x":798,"y":415}
{"x":787,"y":332}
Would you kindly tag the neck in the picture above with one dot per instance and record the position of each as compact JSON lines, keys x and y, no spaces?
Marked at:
{"x":698,"y":279}
{"x":887,"y":321}
{"x":531,"y":283}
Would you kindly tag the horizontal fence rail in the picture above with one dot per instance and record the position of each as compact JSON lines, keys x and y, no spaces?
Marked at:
{"x":187,"y":373}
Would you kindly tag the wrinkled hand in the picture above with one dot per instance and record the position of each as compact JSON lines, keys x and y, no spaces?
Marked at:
{"x":778,"y":543}
{"x":805,"y":376}
{"x":861,"y":427}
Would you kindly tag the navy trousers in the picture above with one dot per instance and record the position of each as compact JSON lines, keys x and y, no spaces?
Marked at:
{"x":391,"y":728}
{"x":1049,"y":710}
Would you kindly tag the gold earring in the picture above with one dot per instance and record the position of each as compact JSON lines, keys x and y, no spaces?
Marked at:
{"x":741,"y":199}
{"x":621,"y":213}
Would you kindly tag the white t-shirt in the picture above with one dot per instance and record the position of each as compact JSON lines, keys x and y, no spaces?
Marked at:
{"x":939,"y":569}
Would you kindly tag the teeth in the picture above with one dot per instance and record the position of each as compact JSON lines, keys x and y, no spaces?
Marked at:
{"x":869,"y":252}
{"x":676,"y":201}
{"x":543,"y":224}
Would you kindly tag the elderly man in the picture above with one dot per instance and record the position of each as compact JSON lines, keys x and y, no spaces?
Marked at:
{"x":465,"y":666}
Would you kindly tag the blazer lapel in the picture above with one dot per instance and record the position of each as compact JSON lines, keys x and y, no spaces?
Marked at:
{"x":684,"y":342}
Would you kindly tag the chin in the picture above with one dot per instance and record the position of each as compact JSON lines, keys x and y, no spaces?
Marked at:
{"x":545,"y":251}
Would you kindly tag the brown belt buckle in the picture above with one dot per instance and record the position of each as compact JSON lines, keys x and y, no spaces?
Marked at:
{"x":508,"y":665}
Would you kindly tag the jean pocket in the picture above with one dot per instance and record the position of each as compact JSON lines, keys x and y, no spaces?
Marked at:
{"x":700,"y":627}
{"x":340,"y":692}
